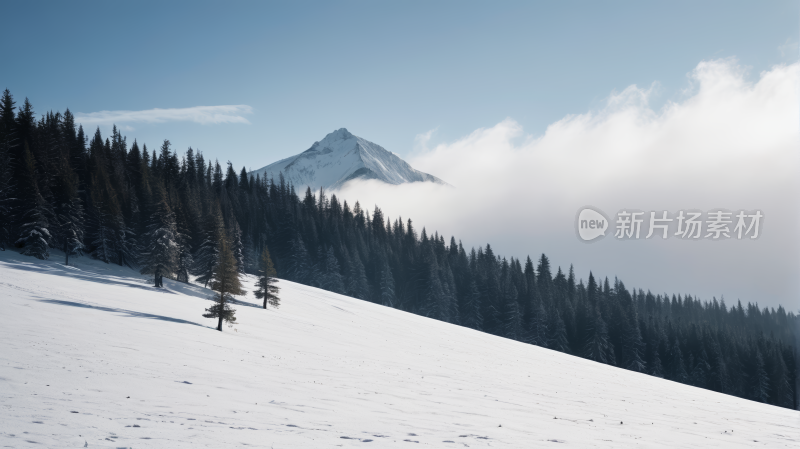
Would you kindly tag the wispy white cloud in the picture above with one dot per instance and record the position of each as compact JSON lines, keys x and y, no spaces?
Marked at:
{"x":205,"y":115}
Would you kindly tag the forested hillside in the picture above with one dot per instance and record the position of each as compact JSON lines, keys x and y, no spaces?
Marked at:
{"x":166,"y":213}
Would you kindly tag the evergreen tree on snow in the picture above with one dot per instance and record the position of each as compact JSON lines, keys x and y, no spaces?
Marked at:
{"x":237,"y":246}
{"x":265,"y":286}
{"x":356,"y":280}
{"x":558,"y":333}
{"x":226,"y":281}
{"x":33,"y":235}
{"x":329,"y":275}
{"x":69,"y":227}
{"x":759,"y":380}
{"x":632,"y":342}
{"x":208,"y":253}
{"x":7,"y":140}
{"x":160,"y":256}
{"x":298,"y":268}
{"x":597,"y":347}
{"x":387,"y":296}
{"x":472,"y":317}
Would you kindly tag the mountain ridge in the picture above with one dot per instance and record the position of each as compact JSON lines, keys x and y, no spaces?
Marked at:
{"x":341,"y":157}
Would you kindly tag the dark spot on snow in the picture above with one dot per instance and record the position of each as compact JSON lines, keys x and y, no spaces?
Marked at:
{"x":31,"y":441}
{"x":347,"y":438}
{"x":556,"y":441}
{"x":72,"y":411}
{"x":136,"y":425}
{"x":290,"y":425}
{"x":412,"y":434}
{"x":411,"y":441}
{"x":38,"y":422}
{"x":183,"y":382}
{"x":365,"y":441}
{"x":448,"y":441}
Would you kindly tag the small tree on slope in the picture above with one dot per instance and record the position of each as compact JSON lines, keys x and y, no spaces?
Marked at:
{"x":224,"y":280}
{"x":265,"y":288}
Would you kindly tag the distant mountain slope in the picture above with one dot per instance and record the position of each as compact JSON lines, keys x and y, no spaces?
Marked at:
{"x":340,"y":157}
{"x":93,"y":356}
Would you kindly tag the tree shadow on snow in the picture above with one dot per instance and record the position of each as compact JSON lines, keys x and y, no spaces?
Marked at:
{"x":129,"y":313}
{"x":239,"y":302}
{"x":78,"y":273}
{"x":58,"y":269}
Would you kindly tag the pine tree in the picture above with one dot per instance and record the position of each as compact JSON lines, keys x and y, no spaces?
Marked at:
{"x":34,"y":235}
{"x":558,"y":333}
{"x":7,"y":141}
{"x":237,"y":246}
{"x":298,"y":268}
{"x":632,"y":342}
{"x":227,"y":283}
{"x":678,"y":367}
{"x":387,"y":296}
{"x":160,"y":256}
{"x":356,"y":282}
{"x":208,"y":253}
{"x":597,"y":347}
{"x":69,"y":215}
{"x":471,"y":317}
{"x":759,"y":380}
{"x":265,"y":286}
{"x":329,"y":273}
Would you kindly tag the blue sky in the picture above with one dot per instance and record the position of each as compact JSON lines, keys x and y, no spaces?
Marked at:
{"x":387,"y":71}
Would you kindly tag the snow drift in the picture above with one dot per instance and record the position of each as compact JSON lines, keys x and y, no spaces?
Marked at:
{"x":94,"y":356}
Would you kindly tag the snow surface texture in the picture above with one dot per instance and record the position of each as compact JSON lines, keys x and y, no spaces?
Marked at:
{"x":340,"y":157}
{"x":93,"y":355}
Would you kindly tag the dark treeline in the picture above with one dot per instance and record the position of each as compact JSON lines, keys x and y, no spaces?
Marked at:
{"x":166,"y":215}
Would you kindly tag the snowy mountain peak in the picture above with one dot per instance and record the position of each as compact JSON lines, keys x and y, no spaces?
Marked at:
{"x":341,"y":157}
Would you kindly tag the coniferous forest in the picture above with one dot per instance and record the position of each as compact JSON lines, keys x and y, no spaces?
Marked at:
{"x":170,"y":215}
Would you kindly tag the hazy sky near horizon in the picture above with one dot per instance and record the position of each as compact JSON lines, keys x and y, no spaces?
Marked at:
{"x":446,"y":83}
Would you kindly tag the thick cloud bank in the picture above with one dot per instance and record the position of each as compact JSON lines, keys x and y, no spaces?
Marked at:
{"x":729,"y":143}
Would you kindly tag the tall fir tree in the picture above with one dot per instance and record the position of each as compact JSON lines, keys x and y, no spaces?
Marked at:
{"x":227,"y":283}
{"x":34,"y":235}
{"x":160,"y":256}
{"x":266,"y":287}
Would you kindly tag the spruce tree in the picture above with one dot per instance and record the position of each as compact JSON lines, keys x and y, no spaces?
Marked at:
{"x":208,"y":252}
{"x":265,"y":286}
{"x":160,"y":256}
{"x":225,"y":280}
{"x":69,"y":226}
{"x":34,"y":234}
{"x":329,"y":273}
{"x":387,"y":295}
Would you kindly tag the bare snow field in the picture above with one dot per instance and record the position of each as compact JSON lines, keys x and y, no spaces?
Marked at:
{"x":93,"y":356}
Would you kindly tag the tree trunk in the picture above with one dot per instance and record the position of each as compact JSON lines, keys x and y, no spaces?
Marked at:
{"x":66,"y":253}
{"x":155,"y":279}
{"x":221,"y":309}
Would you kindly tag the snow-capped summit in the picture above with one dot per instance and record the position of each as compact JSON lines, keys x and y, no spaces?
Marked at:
{"x":340,"y":157}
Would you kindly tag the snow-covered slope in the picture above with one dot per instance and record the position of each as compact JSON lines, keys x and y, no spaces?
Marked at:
{"x":340,"y":157}
{"x":92,"y":355}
